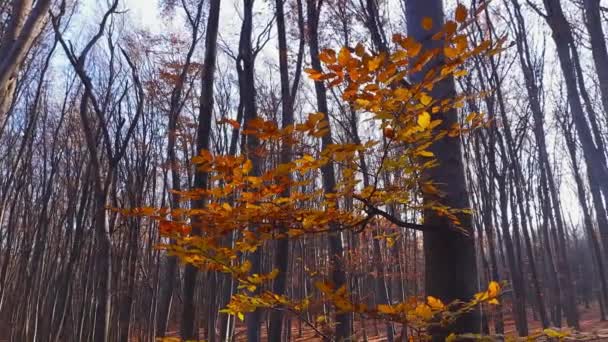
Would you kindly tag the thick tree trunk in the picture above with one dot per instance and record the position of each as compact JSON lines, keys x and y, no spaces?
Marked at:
{"x":450,"y":262}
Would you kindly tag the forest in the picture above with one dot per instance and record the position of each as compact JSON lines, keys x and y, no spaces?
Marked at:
{"x":303,"y":170}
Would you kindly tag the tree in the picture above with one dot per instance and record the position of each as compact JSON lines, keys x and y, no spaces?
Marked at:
{"x":449,"y":255}
{"x":27,"y":20}
{"x":263,"y":211}
{"x":203,"y":138}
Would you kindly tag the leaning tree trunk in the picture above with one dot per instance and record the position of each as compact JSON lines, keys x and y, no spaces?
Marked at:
{"x":593,"y":21}
{"x":26,"y":23}
{"x":594,"y":158}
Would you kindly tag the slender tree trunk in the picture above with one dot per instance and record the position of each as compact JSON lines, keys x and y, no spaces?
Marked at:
{"x":203,"y":140}
{"x":338,"y":275}
{"x":282,"y":252}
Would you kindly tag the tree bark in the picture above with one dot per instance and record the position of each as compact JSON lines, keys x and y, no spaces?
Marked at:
{"x":203,"y":140}
{"x":450,"y":262}
{"x":336,"y":249}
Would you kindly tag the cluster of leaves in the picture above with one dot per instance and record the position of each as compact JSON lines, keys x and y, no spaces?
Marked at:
{"x":250,"y":207}
{"x":417,"y":313}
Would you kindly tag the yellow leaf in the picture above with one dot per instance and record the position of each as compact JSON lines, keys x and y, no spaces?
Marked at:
{"x":424,"y":120}
{"x":423,"y":311}
{"x":226,"y":207}
{"x":308,"y":158}
{"x":494,"y":301}
{"x":461,"y":13}
{"x":451,"y":338}
{"x":283,"y":169}
{"x":460,"y":73}
{"x":425,"y":154}
{"x":247,"y":167}
{"x":425,"y":99}
{"x":554,"y":333}
{"x":362,"y":103}
{"x":240,"y":316}
{"x":399,"y":55}
{"x":375,"y":62}
{"x":450,"y":52}
{"x":246,"y":266}
{"x":435,"y":303}
{"x":493,"y":289}
{"x":386,"y":309}
{"x":402,"y":94}
{"x":470,"y":117}
{"x":480,"y":296}
{"x":344,"y":56}
{"x":427,"y":23}
{"x":411,"y":46}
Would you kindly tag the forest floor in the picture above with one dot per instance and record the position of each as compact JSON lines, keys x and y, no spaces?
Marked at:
{"x":589,"y":320}
{"x":375,"y":330}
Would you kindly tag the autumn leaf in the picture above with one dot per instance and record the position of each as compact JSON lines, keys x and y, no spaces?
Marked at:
{"x":344,"y":56}
{"x":554,"y":333}
{"x":427,"y":23}
{"x":461,"y":13}
{"x":493,"y":289}
{"x":424,"y":120}
{"x":450,"y":52}
{"x":435,"y":303}
{"x":385,"y":309}
{"x":247,"y":167}
{"x":423,"y":311}
{"x":328,"y":56}
{"x":314,"y":74}
{"x":470,"y":117}
{"x":235,"y":124}
{"x":428,"y":154}
{"x":493,"y":301}
{"x":375,"y":63}
{"x":425,"y":99}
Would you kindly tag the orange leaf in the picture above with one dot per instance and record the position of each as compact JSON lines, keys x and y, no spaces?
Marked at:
{"x":344,"y":56}
{"x":427,"y":23}
{"x":461,"y":13}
